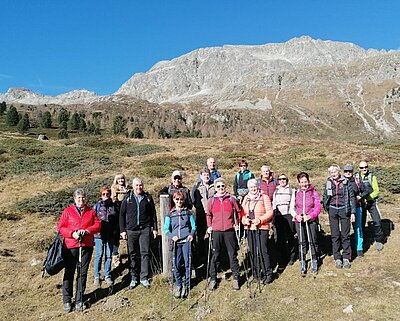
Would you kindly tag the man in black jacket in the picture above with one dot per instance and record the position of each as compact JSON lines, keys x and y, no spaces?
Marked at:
{"x":138,"y":221}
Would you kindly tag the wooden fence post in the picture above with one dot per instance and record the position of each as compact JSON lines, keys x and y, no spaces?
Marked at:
{"x":166,"y":257}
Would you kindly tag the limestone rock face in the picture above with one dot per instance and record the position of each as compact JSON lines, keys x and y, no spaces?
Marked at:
{"x":26,"y":96}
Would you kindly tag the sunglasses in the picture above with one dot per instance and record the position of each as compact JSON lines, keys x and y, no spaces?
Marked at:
{"x":242,"y":165}
{"x":363,"y":167}
{"x":348,"y":171}
{"x":105,"y":194}
{"x":282,"y":179}
{"x":179,"y":199}
{"x":220,"y":186}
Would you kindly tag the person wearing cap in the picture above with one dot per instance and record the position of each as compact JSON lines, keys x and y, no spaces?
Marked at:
{"x":214,"y":173}
{"x":177,"y":186}
{"x":267,"y":183}
{"x":340,"y":203}
{"x":240,"y":188}
{"x":357,"y":224}
{"x":370,"y":193}
{"x":223,"y":223}
{"x":284,"y":225}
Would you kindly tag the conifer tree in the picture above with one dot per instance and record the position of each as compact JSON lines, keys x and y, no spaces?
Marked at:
{"x":12,"y":116}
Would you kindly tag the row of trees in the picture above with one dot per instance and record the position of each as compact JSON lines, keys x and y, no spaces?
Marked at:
{"x":68,"y":122}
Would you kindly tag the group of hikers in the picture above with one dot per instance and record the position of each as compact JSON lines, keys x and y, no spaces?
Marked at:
{"x":207,"y":221}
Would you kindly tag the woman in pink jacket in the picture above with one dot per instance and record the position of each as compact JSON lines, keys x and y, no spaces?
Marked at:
{"x":77,"y":225}
{"x":305,"y":206}
{"x":256,"y":217}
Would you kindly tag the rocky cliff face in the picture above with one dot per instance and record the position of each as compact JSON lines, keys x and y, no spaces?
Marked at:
{"x":26,"y":96}
{"x":301,"y":76}
{"x":330,"y":86}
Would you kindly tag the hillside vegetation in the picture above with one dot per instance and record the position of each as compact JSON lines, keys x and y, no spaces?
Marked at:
{"x":37,"y":179}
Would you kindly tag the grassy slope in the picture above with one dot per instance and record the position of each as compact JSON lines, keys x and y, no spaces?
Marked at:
{"x":372,"y":286}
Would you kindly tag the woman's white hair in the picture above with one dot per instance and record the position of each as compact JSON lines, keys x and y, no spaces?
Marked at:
{"x":333,"y":168}
{"x":252,"y":181}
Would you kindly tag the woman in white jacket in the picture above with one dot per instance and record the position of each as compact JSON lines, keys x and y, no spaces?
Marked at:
{"x":284,"y":225}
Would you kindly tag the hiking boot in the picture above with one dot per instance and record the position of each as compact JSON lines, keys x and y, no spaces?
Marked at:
{"x":235,"y":284}
{"x":346,"y":264}
{"x":96,"y":282}
{"x":109,"y":281}
{"x":145,"y":283}
{"x":379,"y":246}
{"x":360,"y":253}
{"x":212,"y":285}
{"x":116,"y":261}
{"x":314,"y":266}
{"x":67,"y":307}
{"x":133,"y":284}
{"x":303,"y":268}
{"x":79,"y":306}
{"x":185,"y":292}
{"x":177,"y":292}
{"x":268,"y":279}
{"x":338,"y":264}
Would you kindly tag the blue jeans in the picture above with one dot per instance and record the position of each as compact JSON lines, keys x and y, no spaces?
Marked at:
{"x":181,"y":250}
{"x":101,"y":247}
{"x":358,"y":229}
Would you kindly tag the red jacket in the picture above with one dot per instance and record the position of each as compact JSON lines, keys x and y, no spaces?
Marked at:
{"x":71,"y":220}
{"x":221,"y":214}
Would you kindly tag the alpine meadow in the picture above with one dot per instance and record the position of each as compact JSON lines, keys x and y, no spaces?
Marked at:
{"x":301,"y":105}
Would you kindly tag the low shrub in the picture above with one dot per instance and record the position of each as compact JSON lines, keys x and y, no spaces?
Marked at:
{"x":54,"y":202}
{"x":147,"y":149}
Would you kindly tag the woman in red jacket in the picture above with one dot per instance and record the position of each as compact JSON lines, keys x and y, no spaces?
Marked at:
{"x":256,"y":217}
{"x":77,"y":225}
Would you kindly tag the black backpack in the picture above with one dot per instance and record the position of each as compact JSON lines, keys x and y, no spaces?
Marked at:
{"x":54,"y":262}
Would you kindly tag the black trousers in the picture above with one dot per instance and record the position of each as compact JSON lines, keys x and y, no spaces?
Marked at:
{"x":339,"y":223}
{"x":301,"y":229}
{"x":71,"y":258}
{"x":219,"y":239}
{"x":285,"y":231}
{"x":259,"y":257}
{"x":138,"y":252}
{"x":373,"y":210}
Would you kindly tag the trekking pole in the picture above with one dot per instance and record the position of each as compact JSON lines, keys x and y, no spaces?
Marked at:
{"x":244,"y":258}
{"x":80,"y":272}
{"x":302,"y":258}
{"x":190,"y":269}
{"x":172,"y":272}
{"x":208,"y":266}
{"x":311,"y":244}
{"x":260,"y":259}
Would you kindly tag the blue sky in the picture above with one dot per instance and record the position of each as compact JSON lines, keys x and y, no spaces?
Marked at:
{"x":54,"y":46}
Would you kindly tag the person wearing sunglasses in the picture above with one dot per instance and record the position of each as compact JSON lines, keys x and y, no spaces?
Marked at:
{"x":340,"y":203}
{"x":180,"y":227}
{"x":177,"y":186}
{"x":284,"y":225}
{"x":107,"y":213}
{"x":370,"y":195}
{"x":357,"y":224}
{"x":223,"y":225}
{"x":119,"y":189}
{"x":257,"y":215}
{"x":241,"y":178}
